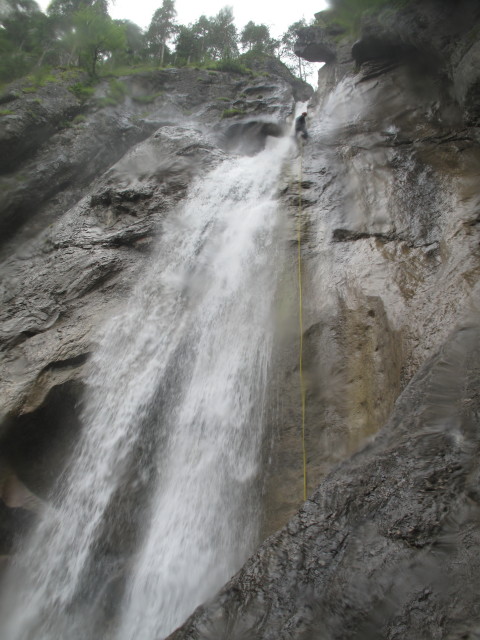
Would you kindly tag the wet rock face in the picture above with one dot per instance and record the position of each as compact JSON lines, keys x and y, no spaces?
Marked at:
{"x":385,"y":546}
{"x":80,"y":207}
{"x":34,"y":120}
{"x":385,"y":195}
{"x":54,"y":179}
{"x":438,"y":36}
{"x":386,"y":201}
{"x":38,"y":446}
{"x":467,"y":83}
{"x":54,"y":145}
{"x":58,"y":290}
{"x":388,"y":212}
{"x":62,"y":283}
{"x":249,"y":137}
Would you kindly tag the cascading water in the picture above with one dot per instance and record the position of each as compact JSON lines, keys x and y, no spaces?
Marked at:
{"x":160,"y":504}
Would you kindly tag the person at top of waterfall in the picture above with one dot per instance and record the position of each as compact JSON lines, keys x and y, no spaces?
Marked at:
{"x":301,"y":126}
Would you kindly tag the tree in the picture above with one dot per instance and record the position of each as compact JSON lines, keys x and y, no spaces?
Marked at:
{"x":208,"y":38}
{"x":94,"y":37}
{"x":222,"y":35}
{"x":25,"y":37}
{"x":19,"y":20}
{"x":257,"y":37}
{"x":135,"y":44}
{"x":162,"y":27}
{"x":204,"y":33}
{"x":188,"y":45}
{"x":64,"y":10}
{"x":202,"y":30}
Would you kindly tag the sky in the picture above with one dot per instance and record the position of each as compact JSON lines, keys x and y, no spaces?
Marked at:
{"x":276,"y":15}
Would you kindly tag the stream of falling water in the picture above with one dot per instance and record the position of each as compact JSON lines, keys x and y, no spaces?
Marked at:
{"x":160,"y":504}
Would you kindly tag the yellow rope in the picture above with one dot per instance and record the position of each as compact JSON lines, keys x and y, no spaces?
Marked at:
{"x":300,"y":320}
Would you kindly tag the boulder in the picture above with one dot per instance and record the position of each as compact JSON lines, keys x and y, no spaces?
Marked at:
{"x":316,"y":44}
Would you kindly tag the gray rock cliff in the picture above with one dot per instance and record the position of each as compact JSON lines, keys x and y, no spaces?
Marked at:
{"x":81,"y":202}
{"x":386,"y":200}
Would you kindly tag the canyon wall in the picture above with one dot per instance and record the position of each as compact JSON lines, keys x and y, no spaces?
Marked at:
{"x":384,"y":198}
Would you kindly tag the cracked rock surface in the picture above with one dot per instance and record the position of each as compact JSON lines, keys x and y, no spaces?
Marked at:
{"x":81,"y":207}
{"x":386,"y":200}
{"x":386,"y":545}
{"x":385,"y":195}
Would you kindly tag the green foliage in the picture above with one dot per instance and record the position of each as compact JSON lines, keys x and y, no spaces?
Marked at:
{"x":232,"y":66}
{"x":188,"y":45}
{"x":254,"y":59}
{"x":116,"y":92}
{"x":147,"y":99}
{"x":208,"y":40}
{"x":40,"y":76}
{"x":25,"y":36}
{"x":223,"y":35}
{"x":6,"y":112}
{"x":108,"y":70}
{"x":73,"y":32}
{"x":94,"y":37}
{"x":82,"y":91}
{"x":161,"y":28}
{"x":69,"y":74}
{"x":230,"y":113}
{"x":222,"y":99}
{"x":107,"y":102}
{"x":14,"y":65}
{"x":346,"y":15}
{"x":135,"y":50}
{"x":64,"y":10}
{"x":79,"y":119}
{"x":287,"y":55}
{"x":81,"y":34}
{"x":256,"y":37}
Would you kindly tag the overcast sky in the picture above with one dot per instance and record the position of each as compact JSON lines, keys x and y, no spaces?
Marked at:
{"x":277,"y":15}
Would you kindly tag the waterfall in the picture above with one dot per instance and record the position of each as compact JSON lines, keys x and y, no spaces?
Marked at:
{"x":159,"y":505}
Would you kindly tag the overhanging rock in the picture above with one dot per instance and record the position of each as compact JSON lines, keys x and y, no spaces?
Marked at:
{"x":314,"y":44}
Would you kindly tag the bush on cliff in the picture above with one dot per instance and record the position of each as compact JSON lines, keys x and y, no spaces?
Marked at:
{"x":346,"y":14}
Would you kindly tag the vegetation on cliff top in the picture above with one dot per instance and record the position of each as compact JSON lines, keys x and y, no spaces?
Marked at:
{"x":346,"y":14}
{"x":81,"y":34}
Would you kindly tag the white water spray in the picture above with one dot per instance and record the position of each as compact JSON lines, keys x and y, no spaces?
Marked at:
{"x":159,"y":507}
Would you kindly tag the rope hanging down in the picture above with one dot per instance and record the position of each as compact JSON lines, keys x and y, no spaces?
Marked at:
{"x":300,"y":320}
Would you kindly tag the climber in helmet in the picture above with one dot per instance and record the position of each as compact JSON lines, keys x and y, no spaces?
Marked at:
{"x":301,"y":126}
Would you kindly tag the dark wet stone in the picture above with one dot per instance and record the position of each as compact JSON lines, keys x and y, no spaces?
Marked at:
{"x":315,"y":44}
{"x":13,"y":524}
{"x":387,"y":208}
{"x":249,"y":137}
{"x":385,"y":546}
{"x":372,"y":48}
